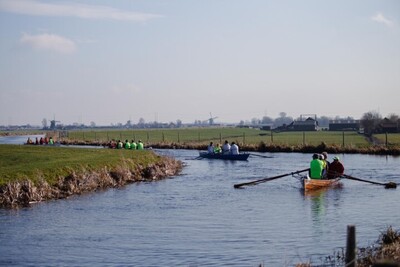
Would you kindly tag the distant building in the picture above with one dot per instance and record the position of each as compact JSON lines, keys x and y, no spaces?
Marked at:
{"x":301,"y":125}
{"x":308,"y":124}
{"x":344,"y":125}
{"x":388,"y":126}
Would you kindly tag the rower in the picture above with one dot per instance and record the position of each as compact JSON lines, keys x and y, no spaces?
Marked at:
{"x":336,"y":168}
{"x":210,"y":148}
{"x":234,"y":149}
{"x":140,"y":145}
{"x":316,"y":167}
{"x":226,"y":148}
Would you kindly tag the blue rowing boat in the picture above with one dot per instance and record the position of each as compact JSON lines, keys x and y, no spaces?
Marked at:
{"x":242,"y":156}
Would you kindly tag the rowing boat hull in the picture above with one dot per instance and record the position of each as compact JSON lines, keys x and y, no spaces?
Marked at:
{"x":315,"y":184}
{"x":207,"y":155}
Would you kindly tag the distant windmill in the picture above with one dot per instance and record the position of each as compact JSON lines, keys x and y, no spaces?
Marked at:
{"x":53,"y":124}
{"x":211,"y":119}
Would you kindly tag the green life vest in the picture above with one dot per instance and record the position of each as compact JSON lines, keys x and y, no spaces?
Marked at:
{"x":133,"y":145}
{"x":316,"y":167}
{"x":127,"y":145}
{"x":140,"y":146}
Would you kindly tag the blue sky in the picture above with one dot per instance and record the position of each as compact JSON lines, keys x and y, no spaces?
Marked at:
{"x":111,"y":61}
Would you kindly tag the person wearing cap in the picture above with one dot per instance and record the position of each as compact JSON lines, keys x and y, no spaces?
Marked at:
{"x":316,"y":167}
{"x":336,"y":168}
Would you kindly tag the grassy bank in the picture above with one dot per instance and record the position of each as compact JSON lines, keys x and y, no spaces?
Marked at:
{"x":35,"y":173}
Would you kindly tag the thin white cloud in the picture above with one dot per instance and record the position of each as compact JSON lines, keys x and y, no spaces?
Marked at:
{"x":38,"y":8}
{"x":49,"y":42}
{"x":380,"y":18}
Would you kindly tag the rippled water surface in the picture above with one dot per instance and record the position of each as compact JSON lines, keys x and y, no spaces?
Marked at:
{"x":199,"y":219}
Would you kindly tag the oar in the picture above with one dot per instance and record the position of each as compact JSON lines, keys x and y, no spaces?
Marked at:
{"x":261,"y":156}
{"x":268,"y":179}
{"x":387,"y":185}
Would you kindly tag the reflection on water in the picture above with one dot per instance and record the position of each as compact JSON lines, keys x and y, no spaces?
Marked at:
{"x":198,"y":218}
{"x":317,"y":206}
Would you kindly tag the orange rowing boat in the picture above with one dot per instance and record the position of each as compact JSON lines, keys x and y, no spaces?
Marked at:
{"x":315,"y":184}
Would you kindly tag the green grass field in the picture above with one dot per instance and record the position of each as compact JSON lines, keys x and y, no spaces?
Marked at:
{"x":392,"y":139}
{"x":18,"y":162}
{"x":219,"y":135}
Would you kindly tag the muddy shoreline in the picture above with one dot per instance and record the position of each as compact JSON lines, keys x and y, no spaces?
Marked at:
{"x":25,"y":193}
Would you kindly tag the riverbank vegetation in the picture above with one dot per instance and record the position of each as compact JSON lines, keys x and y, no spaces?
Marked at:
{"x":36,"y":173}
{"x":249,"y":139}
{"x":384,"y":252}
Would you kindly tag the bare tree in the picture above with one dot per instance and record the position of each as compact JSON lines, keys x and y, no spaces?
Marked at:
{"x":266,"y":120}
{"x":393,"y":117}
{"x":44,"y":123}
{"x":369,"y":121}
{"x":141,"y":122}
{"x":282,"y":120}
{"x":255,"y":121}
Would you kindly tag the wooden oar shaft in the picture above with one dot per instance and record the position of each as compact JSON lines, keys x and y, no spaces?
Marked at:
{"x":261,"y":156}
{"x":387,"y":185}
{"x":268,"y":179}
{"x":361,"y":180}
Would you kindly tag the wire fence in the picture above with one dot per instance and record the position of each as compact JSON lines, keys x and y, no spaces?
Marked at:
{"x":246,"y":136}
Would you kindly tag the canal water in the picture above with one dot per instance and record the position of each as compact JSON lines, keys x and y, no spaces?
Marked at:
{"x":199,"y":219}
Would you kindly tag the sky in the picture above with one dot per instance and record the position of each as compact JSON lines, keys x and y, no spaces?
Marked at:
{"x":107,"y":61}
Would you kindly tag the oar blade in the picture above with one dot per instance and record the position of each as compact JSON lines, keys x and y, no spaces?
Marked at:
{"x":390,"y":185}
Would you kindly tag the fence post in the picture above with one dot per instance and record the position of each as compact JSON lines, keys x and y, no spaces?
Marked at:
{"x":343,"y":139}
{"x":304,"y":138}
{"x":148,"y":137}
{"x":351,"y":246}
{"x":108,"y":139}
{"x":179,"y":140}
{"x":272,"y":137}
{"x":220,"y":138}
{"x":244,"y":138}
{"x":163,"y":137}
{"x":199,"y":136}
{"x":386,"y":139}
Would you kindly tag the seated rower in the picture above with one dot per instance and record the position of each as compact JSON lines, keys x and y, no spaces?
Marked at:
{"x":336,"y":169}
{"x":217,"y":149}
{"x":316,"y":167}
{"x":234,"y":149}
{"x":226,"y":148}
{"x":210,"y":148}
